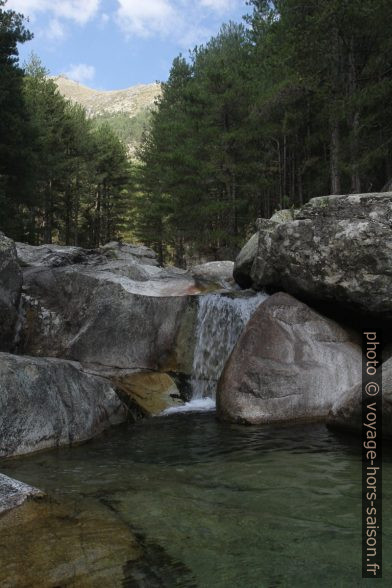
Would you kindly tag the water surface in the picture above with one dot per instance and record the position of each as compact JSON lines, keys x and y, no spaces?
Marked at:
{"x":229,"y":506}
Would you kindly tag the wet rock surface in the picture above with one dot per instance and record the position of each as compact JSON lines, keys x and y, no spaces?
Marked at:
{"x":151,"y":392}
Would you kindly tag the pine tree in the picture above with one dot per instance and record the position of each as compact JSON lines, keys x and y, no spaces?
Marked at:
{"x":14,"y":123}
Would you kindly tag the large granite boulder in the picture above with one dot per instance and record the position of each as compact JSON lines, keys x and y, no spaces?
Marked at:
{"x":14,"y":493}
{"x":100,"y":317}
{"x":346,"y":413}
{"x":50,"y":402}
{"x":10,"y":290}
{"x":337,"y":251}
{"x":242,"y":272}
{"x":289,"y":364}
{"x":244,"y":262}
{"x":113,"y":306}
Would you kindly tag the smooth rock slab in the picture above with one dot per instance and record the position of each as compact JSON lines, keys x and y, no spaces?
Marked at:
{"x":50,"y":402}
{"x":102,"y":318}
{"x":346,"y":414}
{"x":14,"y":493}
{"x":289,"y":364}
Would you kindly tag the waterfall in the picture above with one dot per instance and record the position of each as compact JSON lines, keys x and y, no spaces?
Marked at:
{"x":220,"y":321}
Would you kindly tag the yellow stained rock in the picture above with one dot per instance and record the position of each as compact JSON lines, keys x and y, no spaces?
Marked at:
{"x":153,"y":392}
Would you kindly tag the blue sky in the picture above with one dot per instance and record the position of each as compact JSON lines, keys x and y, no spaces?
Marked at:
{"x":112,"y":44}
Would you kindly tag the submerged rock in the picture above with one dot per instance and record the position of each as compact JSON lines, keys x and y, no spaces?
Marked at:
{"x":346,"y":413}
{"x":151,"y":392}
{"x":68,"y":543}
{"x":338,"y":250}
{"x":10,"y":291}
{"x":289,"y":364}
{"x":50,"y":402}
{"x":14,"y":493}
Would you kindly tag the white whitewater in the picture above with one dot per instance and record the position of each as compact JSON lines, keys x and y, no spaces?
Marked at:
{"x":197,"y":405}
{"x":220,"y":322}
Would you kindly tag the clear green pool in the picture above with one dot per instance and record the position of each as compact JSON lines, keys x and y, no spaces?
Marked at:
{"x":229,"y":506}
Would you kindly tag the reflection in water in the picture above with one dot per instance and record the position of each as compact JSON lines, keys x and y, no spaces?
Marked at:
{"x":229,"y":506}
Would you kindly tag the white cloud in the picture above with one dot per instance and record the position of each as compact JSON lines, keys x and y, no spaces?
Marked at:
{"x":81,"y":72}
{"x":221,"y":6}
{"x":55,"y":31}
{"x":183,"y":20}
{"x":144,"y":18}
{"x":79,"y":11}
{"x":186,"y":22}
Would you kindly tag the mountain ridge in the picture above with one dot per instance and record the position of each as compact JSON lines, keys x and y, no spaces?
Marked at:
{"x":127,"y":111}
{"x":129,"y":101}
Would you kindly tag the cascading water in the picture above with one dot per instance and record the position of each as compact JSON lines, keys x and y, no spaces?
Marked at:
{"x":220,"y":321}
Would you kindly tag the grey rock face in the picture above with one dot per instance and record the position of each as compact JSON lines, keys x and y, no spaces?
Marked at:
{"x":283,"y":216}
{"x":346,"y":413}
{"x":134,"y":262}
{"x":337,"y":250}
{"x":49,"y":402}
{"x":103,"y":318}
{"x":52,"y":255}
{"x":244,"y":262}
{"x":112,"y":306}
{"x":289,"y":364}
{"x":220,"y":272}
{"x":10,"y":290}
{"x":126,"y":250}
{"x":14,"y":493}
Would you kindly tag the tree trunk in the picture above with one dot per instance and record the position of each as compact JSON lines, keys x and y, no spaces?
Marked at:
{"x":68,"y":214}
{"x":48,"y":213}
{"x":355,"y":123}
{"x":97,"y":232}
{"x":335,"y":158}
